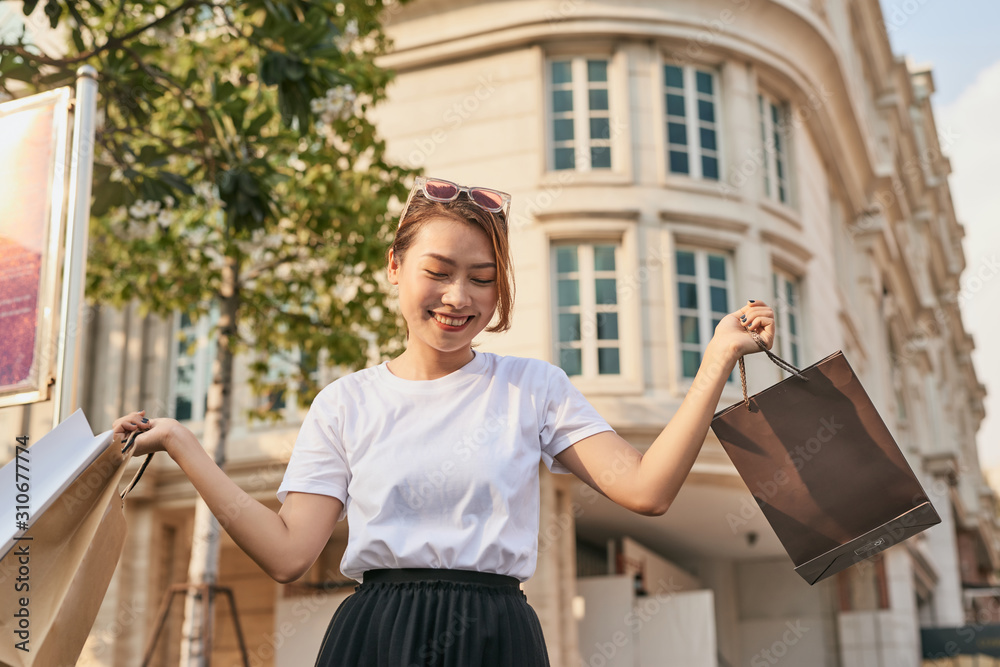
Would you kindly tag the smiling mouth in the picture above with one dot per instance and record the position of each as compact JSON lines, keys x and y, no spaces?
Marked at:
{"x":451,"y":321}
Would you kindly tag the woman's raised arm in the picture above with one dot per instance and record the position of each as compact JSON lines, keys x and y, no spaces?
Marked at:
{"x":284,"y":543}
{"x":648,"y":483}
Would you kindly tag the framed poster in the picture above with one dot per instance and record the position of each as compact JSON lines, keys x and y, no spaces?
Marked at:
{"x":34,"y":164}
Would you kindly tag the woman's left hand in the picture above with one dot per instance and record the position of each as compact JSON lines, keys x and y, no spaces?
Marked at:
{"x":733,"y":331}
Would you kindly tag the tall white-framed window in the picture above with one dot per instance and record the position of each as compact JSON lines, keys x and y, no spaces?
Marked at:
{"x":774,"y":128}
{"x":195,"y":352}
{"x":787,"y":310}
{"x":588,"y":342}
{"x":704,"y":289}
{"x":580,"y":113}
{"x":692,"y":127}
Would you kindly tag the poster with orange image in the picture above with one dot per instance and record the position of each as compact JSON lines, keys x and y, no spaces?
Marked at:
{"x":33,"y":168}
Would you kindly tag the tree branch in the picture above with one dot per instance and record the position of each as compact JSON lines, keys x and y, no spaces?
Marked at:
{"x":256,"y":271}
{"x":112,"y":42}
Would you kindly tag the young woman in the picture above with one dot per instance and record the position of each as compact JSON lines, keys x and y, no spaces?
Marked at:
{"x":433,"y":456}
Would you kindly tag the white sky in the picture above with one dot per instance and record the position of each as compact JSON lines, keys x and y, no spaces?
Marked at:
{"x":959,"y":40}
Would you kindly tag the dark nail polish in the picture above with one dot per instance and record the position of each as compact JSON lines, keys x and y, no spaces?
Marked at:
{"x":145,"y":421}
{"x":753,"y":301}
{"x":743,"y":317}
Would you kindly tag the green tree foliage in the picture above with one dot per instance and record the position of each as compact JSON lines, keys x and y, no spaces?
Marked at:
{"x":235,"y":162}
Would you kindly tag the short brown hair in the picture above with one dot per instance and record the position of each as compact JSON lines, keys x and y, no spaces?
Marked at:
{"x":464,"y":210}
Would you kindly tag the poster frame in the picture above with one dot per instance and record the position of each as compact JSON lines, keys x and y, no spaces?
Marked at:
{"x":41,"y":377}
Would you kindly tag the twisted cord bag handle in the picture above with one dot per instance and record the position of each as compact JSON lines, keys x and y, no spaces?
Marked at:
{"x":142,"y":468}
{"x":781,"y":363}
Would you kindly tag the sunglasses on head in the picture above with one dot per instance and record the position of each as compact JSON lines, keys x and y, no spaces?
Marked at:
{"x":440,"y":190}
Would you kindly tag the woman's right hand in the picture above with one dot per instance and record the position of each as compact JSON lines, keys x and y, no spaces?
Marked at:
{"x":153,"y":433}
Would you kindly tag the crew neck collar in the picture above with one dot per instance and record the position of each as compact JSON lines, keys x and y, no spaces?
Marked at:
{"x":456,"y":377}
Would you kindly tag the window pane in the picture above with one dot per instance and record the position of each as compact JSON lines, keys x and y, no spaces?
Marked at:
{"x":795,"y":355}
{"x":182,"y":409}
{"x":793,"y":328}
{"x":691,"y":361}
{"x":706,"y":111}
{"x":607,"y":361}
{"x":677,"y":133}
{"x":566,"y":259}
{"x":600,"y":128}
{"x":689,"y":330}
{"x":718,"y":296}
{"x":685,"y":263}
{"x":710,"y":168}
{"x":569,"y":293}
{"x":606,"y":291}
{"x":675,"y":105}
{"x":600,"y":157}
{"x":562,"y":129}
{"x":673,"y":76}
{"x":597,"y":70}
{"x":607,"y":326}
{"x":565,"y":158}
{"x":604,"y":257}
{"x":569,"y":327}
{"x":599,"y":100}
{"x":561,"y":72}
{"x":707,"y":138}
{"x":790,"y":293}
{"x":703,"y":80}
{"x":716,"y":267}
{"x":562,"y":100}
{"x":687,"y":295}
{"x":570,"y":361}
{"x":678,"y":162}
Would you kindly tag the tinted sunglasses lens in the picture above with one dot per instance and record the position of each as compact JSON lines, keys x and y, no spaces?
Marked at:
{"x":441,"y":190}
{"x":488,"y":199}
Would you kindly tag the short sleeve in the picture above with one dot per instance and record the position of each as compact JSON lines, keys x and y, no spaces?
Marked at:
{"x":318,"y":463}
{"x":566,"y":418}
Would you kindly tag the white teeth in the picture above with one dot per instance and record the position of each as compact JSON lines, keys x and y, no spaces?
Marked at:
{"x":450,"y":322}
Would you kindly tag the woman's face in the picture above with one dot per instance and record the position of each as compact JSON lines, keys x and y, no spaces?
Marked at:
{"x":447,"y":285}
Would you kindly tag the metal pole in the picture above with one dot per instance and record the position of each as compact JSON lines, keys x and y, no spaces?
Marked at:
{"x":77,"y":222}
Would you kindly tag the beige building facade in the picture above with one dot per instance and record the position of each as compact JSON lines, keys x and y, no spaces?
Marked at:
{"x":667,"y":161}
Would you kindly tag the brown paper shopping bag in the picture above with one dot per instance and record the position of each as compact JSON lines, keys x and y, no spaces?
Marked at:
{"x":55,"y":574}
{"x":823,"y":467}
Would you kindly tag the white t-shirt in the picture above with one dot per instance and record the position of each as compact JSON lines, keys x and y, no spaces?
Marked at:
{"x":440,"y":473}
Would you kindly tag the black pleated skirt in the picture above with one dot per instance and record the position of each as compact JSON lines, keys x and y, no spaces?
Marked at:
{"x":434,"y":618}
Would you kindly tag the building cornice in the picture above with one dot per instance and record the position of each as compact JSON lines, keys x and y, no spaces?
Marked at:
{"x":780,"y":35}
